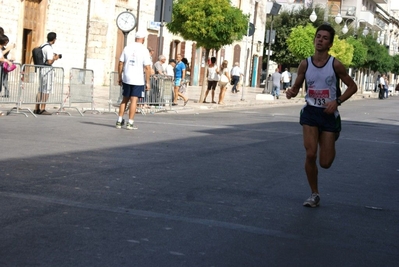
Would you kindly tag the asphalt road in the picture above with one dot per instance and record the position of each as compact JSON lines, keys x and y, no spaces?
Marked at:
{"x":221,"y":188}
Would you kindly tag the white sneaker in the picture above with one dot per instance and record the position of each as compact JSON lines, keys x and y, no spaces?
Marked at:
{"x":313,"y":201}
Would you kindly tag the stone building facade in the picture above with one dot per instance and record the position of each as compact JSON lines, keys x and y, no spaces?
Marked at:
{"x":88,"y":38}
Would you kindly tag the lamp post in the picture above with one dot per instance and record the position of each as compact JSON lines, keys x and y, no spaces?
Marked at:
{"x":337,"y":19}
{"x":252,"y":46}
{"x":274,"y":11}
{"x":345,"y":29}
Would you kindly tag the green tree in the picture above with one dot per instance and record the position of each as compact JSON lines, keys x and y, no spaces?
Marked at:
{"x":211,"y":24}
{"x":342,"y":50}
{"x":359,"y":53}
{"x":378,"y":58}
{"x":300,"y":42}
{"x":395,"y":67}
{"x":283,"y":24}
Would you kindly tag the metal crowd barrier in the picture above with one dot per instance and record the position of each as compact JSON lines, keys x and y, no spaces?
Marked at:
{"x":9,"y":84}
{"x":115,"y":93}
{"x":81,"y":89}
{"x":33,"y":80}
{"x":158,"y":98}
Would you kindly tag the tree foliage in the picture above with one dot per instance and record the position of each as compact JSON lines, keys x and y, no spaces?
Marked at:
{"x":359,"y":53}
{"x":378,"y":58}
{"x":283,"y":24}
{"x":300,"y":42}
{"x":211,"y":24}
{"x":342,"y":50}
{"x":395,"y":67}
{"x":292,"y":42}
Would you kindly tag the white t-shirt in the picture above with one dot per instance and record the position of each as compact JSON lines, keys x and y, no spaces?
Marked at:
{"x":286,"y":77}
{"x":134,"y":58}
{"x":236,"y":71}
{"x":48,"y":52}
{"x":212,"y":73}
{"x":382,"y":81}
{"x":170,"y":71}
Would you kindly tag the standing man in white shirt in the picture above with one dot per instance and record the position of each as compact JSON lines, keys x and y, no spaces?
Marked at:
{"x":286,"y":79}
{"x":46,"y":75}
{"x":236,"y":73}
{"x":134,"y":61}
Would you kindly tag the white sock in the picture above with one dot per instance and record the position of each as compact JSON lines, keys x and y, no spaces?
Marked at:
{"x":120,"y":119}
{"x":131,"y":121}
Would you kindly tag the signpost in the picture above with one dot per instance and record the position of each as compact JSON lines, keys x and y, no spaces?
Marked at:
{"x":163,"y":13}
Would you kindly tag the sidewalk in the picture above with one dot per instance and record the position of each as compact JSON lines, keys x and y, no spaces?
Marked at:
{"x":252,"y":97}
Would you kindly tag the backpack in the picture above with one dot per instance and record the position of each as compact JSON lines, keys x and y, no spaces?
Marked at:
{"x":37,"y":55}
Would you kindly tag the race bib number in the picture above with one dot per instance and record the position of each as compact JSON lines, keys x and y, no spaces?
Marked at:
{"x":319,"y":97}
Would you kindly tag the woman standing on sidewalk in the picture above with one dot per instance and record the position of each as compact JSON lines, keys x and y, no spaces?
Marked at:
{"x":213,"y":78}
{"x":224,"y":80}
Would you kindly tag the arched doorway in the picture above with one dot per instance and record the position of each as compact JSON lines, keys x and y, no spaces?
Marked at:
{"x":237,"y":54}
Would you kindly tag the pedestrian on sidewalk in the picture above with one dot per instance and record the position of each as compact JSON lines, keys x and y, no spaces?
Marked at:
{"x":224,"y":81}
{"x":382,"y":86}
{"x":236,"y":73}
{"x":180,"y":76}
{"x":160,"y":66}
{"x":286,"y":79}
{"x":320,"y":118}
{"x":213,"y":78}
{"x":170,"y":69}
{"x":133,"y":62}
{"x":386,"y":87}
{"x":4,"y":74}
{"x":46,"y":75}
{"x":276,"y":78}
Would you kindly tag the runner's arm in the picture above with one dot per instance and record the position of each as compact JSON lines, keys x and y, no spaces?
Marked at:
{"x":294,"y":90}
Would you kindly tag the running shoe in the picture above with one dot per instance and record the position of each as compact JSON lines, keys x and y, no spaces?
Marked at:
{"x":313,"y":201}
{"x":120,"y":124}
{"x":130,"y":126}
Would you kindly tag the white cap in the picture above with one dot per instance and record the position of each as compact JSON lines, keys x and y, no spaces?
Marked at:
{"x":140,"y":34}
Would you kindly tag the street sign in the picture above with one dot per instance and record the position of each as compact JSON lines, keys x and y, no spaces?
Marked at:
{"x":267,"y":52}
{"x":251,"y":29}
{"x":164,"y":15}
{"x":272,"y":37}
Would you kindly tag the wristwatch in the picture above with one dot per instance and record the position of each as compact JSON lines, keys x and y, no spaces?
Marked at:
{"x":339,"y":102}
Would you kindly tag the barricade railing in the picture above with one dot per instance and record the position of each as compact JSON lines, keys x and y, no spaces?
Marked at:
{"x":81,"y":90}
{"x":158,"y":98}
{"x":115,"y":93}
{"x":9,"y":85}
{"x":39,"y":85}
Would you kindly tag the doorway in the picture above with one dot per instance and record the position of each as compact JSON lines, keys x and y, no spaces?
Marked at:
{"x":33,"y":33}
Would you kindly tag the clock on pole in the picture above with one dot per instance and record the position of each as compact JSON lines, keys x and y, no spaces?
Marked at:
{"x":126,"y":21}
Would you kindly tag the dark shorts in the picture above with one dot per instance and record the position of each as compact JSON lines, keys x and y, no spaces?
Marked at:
{"x":132,"y":90}
{"x":212,"y":85}
{"x":314,"y":116}
{"x":286,"y":85}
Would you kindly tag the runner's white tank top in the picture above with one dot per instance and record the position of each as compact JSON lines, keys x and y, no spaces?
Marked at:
{"x":321,"y":83}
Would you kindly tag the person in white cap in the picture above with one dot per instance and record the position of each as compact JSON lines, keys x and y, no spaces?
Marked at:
{"x":133,"y":62}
